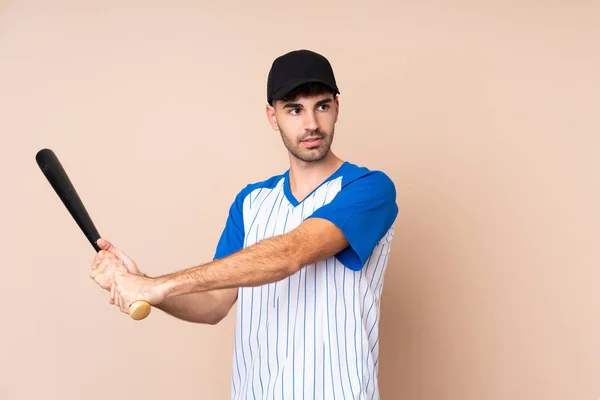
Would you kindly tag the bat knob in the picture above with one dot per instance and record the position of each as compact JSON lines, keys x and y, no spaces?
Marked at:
{"x":139,"y":310}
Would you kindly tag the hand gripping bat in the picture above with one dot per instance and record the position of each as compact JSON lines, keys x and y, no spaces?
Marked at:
{"x":60,"y":182}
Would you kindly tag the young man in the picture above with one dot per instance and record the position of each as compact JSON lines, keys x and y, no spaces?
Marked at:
{"x":303,"y":253}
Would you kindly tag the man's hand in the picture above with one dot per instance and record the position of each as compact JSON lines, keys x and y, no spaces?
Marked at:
{"x":108,"y":261}
{"x":128,"y":288}
{"x":104,"y":266}
{"x":112,"y":264}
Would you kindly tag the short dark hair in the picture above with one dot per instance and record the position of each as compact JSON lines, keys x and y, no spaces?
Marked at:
{"x":308,"y":89}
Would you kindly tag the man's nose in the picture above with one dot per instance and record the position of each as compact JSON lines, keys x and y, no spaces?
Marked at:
{"x":310,"y":121}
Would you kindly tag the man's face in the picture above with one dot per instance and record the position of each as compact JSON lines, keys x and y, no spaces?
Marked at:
{"x":306,"y":125}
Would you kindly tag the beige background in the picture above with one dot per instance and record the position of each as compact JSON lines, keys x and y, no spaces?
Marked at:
{"x":485,"y":116}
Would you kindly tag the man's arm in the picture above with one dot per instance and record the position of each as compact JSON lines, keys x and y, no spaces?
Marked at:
{"x":201,"y":307}
{"x":267,"y":261}
{"x":206,"y":307}
{"x":349,"y":227}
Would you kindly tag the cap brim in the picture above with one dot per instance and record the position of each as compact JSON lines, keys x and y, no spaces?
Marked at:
{"x":283,"y":91}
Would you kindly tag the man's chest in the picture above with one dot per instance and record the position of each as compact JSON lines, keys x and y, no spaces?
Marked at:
{"x":269,"y":212}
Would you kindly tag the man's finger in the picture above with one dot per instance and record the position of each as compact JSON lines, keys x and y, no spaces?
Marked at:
{"x":112,"y":293}
{"x":116,"y":266}
{"x":109,"y":255}
{"x":129,"y":263}
{"x":97,"y":260}
{"x":101,"y":266}
{"x":104,"y":244}
{"x":102,"y":255}
{"x":122,"y":304}
{"x":110,"y":263}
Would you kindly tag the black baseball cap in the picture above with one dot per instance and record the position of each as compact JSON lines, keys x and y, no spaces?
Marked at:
{"x":296,"y":68}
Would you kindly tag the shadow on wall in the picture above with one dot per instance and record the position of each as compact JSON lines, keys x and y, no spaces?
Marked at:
{"x":427,"y":303}
{"x":396,"y":346}
{"x":407,"y":324}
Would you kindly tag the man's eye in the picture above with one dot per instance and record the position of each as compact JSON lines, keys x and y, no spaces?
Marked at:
{"x":324,"y":107}
{"x":294,"y":111}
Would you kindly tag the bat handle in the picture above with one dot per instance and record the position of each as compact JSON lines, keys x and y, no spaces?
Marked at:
{"x":139,"y":310}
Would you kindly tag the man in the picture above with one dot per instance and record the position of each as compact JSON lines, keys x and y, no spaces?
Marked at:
{"x":303,"y":253}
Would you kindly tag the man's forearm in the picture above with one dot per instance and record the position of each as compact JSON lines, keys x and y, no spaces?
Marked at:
{"x":267,"y":261}
{"x":201,"y":307}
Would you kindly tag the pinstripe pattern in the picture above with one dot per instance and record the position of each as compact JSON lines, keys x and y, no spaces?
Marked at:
{"x":313,"y":334}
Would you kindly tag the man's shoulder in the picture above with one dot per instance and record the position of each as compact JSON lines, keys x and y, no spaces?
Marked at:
{"x":355,"y":173}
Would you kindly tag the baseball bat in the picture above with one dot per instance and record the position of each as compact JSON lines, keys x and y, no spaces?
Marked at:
{"x":60,"y":182}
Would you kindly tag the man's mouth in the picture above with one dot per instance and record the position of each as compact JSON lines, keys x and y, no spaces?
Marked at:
{"x":312,"y":141}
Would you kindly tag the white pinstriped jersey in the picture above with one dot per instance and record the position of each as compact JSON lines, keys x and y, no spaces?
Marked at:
{"x":315,"y":334}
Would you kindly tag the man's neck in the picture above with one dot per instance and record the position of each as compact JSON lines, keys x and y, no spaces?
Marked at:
{"x":307,"y":176}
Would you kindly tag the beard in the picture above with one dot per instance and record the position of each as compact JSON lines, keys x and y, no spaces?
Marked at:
{"x":308,"y":154}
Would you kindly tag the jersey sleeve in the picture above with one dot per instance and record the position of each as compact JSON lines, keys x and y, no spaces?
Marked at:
{"x":232,"y":236}
{"x":364,"y":210}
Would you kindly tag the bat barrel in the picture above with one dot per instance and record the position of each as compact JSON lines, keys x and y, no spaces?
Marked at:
{"x":60,"y":182}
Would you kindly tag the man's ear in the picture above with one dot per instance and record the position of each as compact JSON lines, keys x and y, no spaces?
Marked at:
{"x":270,"y":110}
{"x":336,"y":100}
